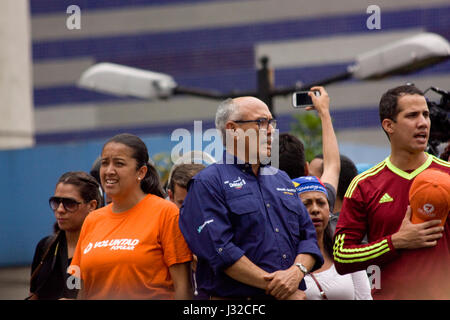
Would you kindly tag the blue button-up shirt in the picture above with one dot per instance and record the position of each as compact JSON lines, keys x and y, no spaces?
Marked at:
{"x":229,"y":212}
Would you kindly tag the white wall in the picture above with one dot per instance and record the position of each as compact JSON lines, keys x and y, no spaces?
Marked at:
{"x":16,"y":107}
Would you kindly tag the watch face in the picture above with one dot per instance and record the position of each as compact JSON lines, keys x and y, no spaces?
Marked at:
{"x":302,"y":268}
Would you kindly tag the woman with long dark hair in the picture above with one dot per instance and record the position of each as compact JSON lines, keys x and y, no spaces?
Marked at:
{"x":133,"y":247}
{"x":76,"y":195}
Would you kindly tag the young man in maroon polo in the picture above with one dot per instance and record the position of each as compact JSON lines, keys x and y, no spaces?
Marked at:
{"x":413,"y":259}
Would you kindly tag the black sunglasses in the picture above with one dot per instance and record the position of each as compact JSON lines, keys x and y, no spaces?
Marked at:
{"x":69,"y":204}
{"x":263,"y":123}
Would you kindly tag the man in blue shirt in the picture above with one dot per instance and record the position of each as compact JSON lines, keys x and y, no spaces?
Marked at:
{"x":243,"y":219}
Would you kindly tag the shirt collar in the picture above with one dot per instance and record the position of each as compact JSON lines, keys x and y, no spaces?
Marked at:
{"x":229,"y":158}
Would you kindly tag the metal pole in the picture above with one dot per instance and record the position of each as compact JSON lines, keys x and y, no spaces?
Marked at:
{"x":265,"y":84}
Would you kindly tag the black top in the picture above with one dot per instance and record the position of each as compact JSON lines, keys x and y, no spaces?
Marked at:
{"x":50,"y":281}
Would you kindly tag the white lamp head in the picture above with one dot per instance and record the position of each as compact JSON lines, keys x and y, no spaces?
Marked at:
{"x":401,"y":56}
{"x":127,"y":81}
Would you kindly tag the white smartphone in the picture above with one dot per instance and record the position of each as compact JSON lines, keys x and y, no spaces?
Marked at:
{"x":301,"y":99}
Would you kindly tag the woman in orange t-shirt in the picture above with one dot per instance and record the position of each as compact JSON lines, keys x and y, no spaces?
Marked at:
{"x":132,"y":248}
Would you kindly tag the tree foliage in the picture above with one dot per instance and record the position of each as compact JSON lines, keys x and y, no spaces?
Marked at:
{"x":308,"y":129}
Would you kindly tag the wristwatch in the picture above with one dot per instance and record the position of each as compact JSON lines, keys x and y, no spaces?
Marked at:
{"x":302,"y":268}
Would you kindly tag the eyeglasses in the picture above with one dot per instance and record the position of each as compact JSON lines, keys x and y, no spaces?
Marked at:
{"x":69,"y":204}
{"x":263,"y":123}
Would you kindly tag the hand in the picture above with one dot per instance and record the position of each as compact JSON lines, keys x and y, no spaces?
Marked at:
{"x":297,"y":295}
{"x":321,"y":103}
{"x":414,"y":236}
{"x":283,"y":283}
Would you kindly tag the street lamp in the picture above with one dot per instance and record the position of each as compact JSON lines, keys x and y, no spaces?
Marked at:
{"x":399,"y":57}
{"x":126,"y":81}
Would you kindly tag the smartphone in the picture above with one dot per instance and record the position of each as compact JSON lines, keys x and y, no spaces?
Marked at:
{"x":301,"y":99}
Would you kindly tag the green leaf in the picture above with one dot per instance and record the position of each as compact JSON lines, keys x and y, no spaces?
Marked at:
{"x":308,"y":129}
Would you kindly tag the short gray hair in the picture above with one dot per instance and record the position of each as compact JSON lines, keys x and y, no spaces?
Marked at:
{"x":224,"y":112}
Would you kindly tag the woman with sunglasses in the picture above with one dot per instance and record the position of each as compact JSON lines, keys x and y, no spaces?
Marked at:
{"x":76,"y":195}
{"x":133,"y":247}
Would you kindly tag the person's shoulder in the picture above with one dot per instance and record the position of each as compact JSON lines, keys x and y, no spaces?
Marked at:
{"x":157,"y":205}
{"x":276,"y":173}
{"x":101,"y":211}
{"x":279,"y":176}
{"x":366,"y":177}
{"x":440,"y":164}
{"x":155,"y":200}
{"x":208,"y":172}
{"x":44,"y":241}
{"x":211,"y":176}
{"x":373,"y":172}
{"x":97,"y":214}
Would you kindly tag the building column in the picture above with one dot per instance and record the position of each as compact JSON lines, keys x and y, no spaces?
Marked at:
{"x":16,"y":99}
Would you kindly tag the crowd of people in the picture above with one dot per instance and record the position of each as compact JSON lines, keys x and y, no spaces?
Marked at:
{"x":243,"y":229}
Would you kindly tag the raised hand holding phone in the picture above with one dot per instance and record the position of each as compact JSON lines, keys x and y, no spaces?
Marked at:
{"x":302,"y":99}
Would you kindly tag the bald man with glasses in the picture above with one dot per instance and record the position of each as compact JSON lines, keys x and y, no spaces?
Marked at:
{"x":242,"y":217}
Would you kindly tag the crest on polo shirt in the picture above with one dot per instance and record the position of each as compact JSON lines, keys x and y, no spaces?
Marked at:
{"x":236,"y":184}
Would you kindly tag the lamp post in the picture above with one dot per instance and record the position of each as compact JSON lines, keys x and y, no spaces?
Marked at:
{"x":399,"y":57}
{"x":266,"y":84}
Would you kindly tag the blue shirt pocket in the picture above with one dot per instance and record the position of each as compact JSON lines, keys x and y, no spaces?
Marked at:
{"x":292,"y":214}
{"x":246,"y":218}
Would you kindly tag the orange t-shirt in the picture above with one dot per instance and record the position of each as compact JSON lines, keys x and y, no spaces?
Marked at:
{"x":127,"y":255}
